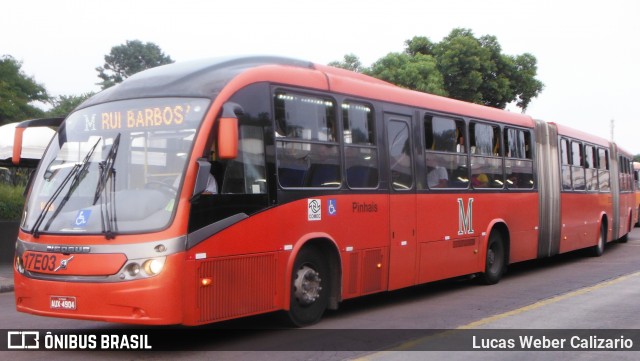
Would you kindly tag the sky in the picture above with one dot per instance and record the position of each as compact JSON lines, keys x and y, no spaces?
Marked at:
{"x":587,"y":51}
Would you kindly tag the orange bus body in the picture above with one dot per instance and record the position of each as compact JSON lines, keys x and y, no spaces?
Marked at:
{"x":636,"y":178}
{"x":351,"y":241}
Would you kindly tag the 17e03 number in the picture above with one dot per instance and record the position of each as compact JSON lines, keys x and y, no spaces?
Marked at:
{"x":40,"y":262}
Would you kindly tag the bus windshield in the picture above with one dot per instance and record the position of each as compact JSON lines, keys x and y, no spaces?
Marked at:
{"x":114,"y":167}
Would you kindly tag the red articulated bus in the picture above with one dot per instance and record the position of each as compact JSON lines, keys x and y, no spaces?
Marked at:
{"x":636,"y":180}
{"x":204,"y":191}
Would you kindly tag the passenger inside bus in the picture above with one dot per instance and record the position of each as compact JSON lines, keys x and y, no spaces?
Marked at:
{"x":437,"y":176}
{"x":480,"y":180}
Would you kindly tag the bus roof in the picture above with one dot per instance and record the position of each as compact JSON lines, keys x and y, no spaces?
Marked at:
{"x":206,"y":78}
{"x":346,"y":82}
{"x":199,"y":78}
{"x":594,"y":139}
{"x":579,"y":134}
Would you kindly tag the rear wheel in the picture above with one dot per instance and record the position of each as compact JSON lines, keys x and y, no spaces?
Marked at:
{"x":625,"y":238}
{"x":309,"y":288}
{"x":598,"y":249}
{"x":495,"y":263}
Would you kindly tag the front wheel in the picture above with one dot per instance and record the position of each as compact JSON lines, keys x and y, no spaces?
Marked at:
{"x":495,"y":263}
{"x":309,"y":288}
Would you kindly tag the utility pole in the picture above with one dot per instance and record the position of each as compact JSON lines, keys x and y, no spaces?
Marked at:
{"x":612,"y":126}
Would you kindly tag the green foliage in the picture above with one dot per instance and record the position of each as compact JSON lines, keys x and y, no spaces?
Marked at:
{"x":466,"y":68}
{"x":65,"y":104}
{"x":17,"y":91}
{"x":11,"y":202}
{"x":526,"y":86}
{"x":462,"y":62}
{"x":417,"y":72}
{"x":128,"y":59}
{"x":419,"y":45}
{"x":350,"y":62}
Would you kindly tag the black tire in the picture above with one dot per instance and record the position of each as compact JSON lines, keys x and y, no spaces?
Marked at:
{"x":598,"y":249}
{"x":495,"y":262}
{"x":310,"y":288}
{"x":625,"y":238}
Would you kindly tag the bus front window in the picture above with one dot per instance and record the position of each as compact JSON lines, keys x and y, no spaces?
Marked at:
{"x":114,"y":168}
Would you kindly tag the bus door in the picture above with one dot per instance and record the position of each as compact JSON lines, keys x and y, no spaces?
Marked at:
{"x":402,"y":203}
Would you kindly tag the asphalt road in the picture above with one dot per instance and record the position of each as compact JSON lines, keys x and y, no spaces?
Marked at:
{"x":572,"y":292}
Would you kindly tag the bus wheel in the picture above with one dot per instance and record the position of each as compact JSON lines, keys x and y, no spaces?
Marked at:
{"x":309,"y":288}
{"x":625,"y":238}
{"x":598,"y":249}
{"x":495,"y":264}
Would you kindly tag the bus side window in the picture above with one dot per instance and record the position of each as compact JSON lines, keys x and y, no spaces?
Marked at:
{"x":445,"y":153}
{"x":361,"y":154}
{"x":486,"y":154}
{"x":306,"y":141}
{"x":603,"y":170}
{"x":591,"y":177}
{"x":577,"y":166}
{"x":565,"y":155}
{"x":400,"y":159}
{"x":518,"y":162}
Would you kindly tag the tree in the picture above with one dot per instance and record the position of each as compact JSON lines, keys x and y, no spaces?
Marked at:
{"x":462,"y":61}
{"x":419,"y":45}
{"x":350,"y":62}
{"x":466,"y":68}
{"x":417,"y":72}
{"x":128,"y":59}
{"x":64,"y":104}
{"x":475,"y":70}
{"x":525,"y":85}
{"x":17,"y":92}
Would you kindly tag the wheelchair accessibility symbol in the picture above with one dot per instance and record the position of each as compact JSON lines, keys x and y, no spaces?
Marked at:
{"x":82,"y":218}
{"x":333,"y":207}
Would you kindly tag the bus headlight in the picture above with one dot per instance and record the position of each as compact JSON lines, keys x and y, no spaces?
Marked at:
{"x":141,"y":268}
{"x":153,"y":266}
{"x":133,"y":269}
{"x":19,"y":265}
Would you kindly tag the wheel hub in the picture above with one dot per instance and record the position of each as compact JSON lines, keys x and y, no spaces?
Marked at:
{"x":307,"y":285}
{"x":491,"y":257}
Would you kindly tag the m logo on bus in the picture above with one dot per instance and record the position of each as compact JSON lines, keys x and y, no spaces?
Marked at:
{"x":89,"y":123}
{"x":465,"y":219}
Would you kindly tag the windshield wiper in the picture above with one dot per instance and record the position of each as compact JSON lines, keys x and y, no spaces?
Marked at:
{"x":78,"y":172}
{"x":108,"y":202}
{"x":56,"y":193}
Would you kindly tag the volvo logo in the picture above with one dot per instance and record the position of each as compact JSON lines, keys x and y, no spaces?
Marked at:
{"x":63,"y":264}
{"x":68,"y":249}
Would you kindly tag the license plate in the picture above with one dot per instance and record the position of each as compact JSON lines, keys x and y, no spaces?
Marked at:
{"x":63,"y":303}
